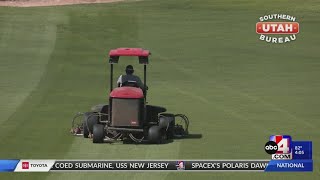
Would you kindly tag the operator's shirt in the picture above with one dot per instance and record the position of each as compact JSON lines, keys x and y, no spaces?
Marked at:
{"x":130,"y":78}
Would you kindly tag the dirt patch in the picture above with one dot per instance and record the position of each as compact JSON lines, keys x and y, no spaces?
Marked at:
{"x":37,"y":3}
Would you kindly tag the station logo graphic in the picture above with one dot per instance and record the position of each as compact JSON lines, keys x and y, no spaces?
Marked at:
{"x":277,"y":28}
{"x":279,"y":146}
{"x":180,"y":165}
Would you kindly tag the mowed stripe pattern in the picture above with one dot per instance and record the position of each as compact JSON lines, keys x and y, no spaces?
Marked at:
{"x":21,"y":66}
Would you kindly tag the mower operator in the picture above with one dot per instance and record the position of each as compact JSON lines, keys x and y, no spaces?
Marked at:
{"x":129,"y":77}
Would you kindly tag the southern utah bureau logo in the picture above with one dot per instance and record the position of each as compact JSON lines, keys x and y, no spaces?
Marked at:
{"x":277,"y":28}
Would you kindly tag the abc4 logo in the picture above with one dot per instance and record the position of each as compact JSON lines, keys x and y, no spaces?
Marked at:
{"x":278,"y":144}
{"x":271,"y":147}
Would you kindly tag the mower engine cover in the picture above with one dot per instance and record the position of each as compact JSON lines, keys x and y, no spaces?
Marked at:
{"x":126,"y":107}
{"x":127,"y":92}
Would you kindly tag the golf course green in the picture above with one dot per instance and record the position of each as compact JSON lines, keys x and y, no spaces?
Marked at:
{"x":207,"y":62}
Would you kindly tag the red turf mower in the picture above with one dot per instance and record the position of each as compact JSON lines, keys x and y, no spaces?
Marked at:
{"x":128,"y":117}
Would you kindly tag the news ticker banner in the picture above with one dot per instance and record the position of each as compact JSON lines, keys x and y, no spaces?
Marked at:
{"x":301,"y":165}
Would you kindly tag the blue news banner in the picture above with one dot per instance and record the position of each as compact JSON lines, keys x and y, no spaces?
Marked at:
{"x":301,"y":159}
{"x":301,"y":162}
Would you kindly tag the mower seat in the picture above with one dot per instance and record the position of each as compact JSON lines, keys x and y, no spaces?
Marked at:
{"x":130,"y":84}
{"x":134,"y":84}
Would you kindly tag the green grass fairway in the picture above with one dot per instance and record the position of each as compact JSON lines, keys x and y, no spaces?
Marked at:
{"x":207,"y":62}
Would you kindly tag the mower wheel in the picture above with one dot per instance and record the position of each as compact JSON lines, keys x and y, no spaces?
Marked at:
{"x":98,"y":133}
{"x":88,"y":121}
{"x":164,"y":122}
{"x":156,"y":134}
